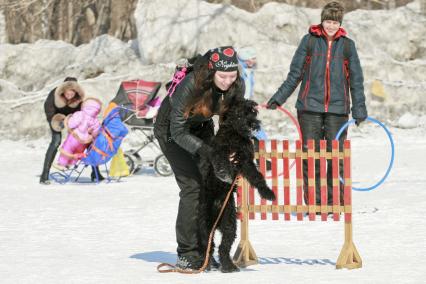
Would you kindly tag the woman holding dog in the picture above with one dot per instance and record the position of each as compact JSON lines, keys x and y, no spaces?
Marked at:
{"x":327,"y":63}
{"x":183,"y":126}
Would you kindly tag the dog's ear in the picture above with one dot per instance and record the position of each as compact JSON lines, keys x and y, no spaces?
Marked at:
{"x":235,"y":110}
{"x":250,"y":113}
{"x":251,"y":107}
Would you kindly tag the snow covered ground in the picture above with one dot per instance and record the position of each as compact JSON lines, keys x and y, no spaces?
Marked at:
{"x":120,"y":232}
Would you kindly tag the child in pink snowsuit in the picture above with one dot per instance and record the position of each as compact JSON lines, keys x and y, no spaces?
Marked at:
{"x":83,"y":127}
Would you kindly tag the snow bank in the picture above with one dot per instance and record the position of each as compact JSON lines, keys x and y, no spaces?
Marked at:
{"x":187,"y":27}
{"x":2,"y":28}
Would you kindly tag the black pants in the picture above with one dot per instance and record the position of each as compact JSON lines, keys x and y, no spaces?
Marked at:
{"x":188,"y":178}
{"x":321,"y":126}
{"x":50,"y":153}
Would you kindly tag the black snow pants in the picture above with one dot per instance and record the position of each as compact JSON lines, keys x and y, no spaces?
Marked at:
{"x":321,"y":126}
{"x":50,"y":153}
{"x":188,"y":178}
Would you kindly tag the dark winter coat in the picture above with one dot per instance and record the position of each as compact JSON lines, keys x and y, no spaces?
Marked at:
{"x":171,"y":121}
{"x":326,"y":80}
{"x":57,"y":103}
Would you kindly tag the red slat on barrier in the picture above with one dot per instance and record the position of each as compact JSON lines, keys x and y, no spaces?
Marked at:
{"x":286,"y":178}
{"x":299,"y":178}
{"x":347,"y":175}
{"x":311,"y":179}
{"x":262,"y":162}
{"x":336,"y":181}
{"x":323,"y":176}
{"x":274,"y":169}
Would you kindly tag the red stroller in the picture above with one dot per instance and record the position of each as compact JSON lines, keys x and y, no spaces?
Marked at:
{"x":139,"y":105}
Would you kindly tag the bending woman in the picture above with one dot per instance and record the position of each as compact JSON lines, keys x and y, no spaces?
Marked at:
{"x":183,"y":125}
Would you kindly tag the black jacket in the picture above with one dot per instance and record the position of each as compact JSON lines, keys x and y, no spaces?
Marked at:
{"x":327,"y":80}
{"x":170,"y":119}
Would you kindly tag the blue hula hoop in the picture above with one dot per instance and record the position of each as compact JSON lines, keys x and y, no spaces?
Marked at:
{"x":352,"y":121}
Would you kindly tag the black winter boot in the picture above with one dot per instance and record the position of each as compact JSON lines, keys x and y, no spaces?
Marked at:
{"x":44,"y":178}
{"x":93,"y":175}
{"x":50,"y":156}
{"x":189,"y":262}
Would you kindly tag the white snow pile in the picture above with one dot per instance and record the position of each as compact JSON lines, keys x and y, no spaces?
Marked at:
{"x":408,"y":120}
{"x":30,"y":71}
{"x":187,"y":27}
{"x":2,"y":28}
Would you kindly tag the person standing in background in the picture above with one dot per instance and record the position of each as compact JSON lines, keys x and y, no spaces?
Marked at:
{"x":327,"y":63}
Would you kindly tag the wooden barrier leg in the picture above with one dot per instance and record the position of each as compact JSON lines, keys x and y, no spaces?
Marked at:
{"x":245,"y":254}
{"x":349,"y":256}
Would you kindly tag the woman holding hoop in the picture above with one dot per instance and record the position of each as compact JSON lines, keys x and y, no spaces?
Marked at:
{"x":327,"y":63}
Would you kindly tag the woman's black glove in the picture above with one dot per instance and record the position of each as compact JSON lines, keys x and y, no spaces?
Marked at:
{"x":272,"y":104}
{"x":359,"y":120}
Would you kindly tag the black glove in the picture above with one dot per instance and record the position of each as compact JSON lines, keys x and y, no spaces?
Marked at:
{"x":205,"y":151}
{"x":358,"y":121}
{"x":272,"y":104}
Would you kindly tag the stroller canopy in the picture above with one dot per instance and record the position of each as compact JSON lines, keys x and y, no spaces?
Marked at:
{"x":136,"y":95}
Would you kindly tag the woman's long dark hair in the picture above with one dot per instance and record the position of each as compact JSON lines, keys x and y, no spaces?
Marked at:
{"x":201,"y":102}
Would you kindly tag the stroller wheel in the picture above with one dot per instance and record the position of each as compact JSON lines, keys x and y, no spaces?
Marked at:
{"x":130,"y":163}
{"x":133,"y":161}
{"x":162,"y":166}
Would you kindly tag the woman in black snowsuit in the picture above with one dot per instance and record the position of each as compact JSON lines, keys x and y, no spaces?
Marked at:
{"x":184,"y":122}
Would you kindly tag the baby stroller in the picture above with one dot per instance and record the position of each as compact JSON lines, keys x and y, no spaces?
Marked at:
{"x":100,"y":151}
{"x":139,"y":105}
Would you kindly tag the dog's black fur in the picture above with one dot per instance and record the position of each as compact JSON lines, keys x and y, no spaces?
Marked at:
{"x":234,"y":136}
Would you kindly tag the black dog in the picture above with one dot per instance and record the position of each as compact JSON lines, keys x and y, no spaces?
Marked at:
{"x":232,"y":139}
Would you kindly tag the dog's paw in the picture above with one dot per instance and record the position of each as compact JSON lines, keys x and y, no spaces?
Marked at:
{"x":213,"y":264}
{"x":267,"y":194}
{"x":229,"y":267}
{"x":222,"y":173}
{"x":224,"y":176}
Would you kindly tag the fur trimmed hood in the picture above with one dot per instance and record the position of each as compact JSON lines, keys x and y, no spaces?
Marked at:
{"x":61,"y":101}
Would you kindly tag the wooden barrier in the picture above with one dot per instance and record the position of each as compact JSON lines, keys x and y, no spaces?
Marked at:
{"x":247,"y":207}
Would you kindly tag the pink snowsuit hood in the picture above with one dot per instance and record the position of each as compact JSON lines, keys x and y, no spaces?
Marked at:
{"x":84,"y":125}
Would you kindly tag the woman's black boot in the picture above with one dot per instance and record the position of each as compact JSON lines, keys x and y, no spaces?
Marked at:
{"x":93,"y":174}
